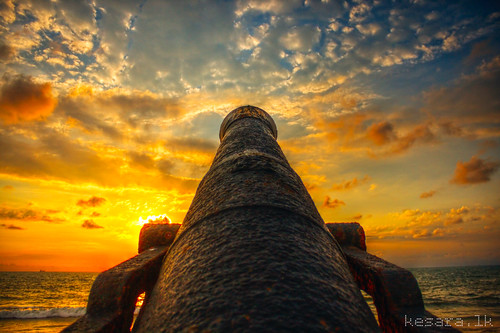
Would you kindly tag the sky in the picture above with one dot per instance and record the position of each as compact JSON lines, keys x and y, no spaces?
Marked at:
{"x":110,"y":112}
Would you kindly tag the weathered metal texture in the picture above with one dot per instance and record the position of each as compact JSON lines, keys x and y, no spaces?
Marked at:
{"x":348,"y":234}
{"x":253,"y":253}
{"x":113,"y":295}
{"x":157,"y":234}
{"x":395,"y":293}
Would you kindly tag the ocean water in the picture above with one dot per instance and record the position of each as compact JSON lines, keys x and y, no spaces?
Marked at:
{"x":46,"y":302}
{"x":42,"y":301}
{"x":468,"y":296}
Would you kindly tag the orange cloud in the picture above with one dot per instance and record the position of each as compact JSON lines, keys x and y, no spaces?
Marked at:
{"x":427,"y":194}
{"x":89,"y":224}
{"x":92,"y":202}
{"x":23,"y":214}
{"x":381,"y":133}
{"x":357,"y":217}
{"x":456,"y":106}
{"x":420,"y":233}
{"x":347,"y":185}
{"x":456,"y":216}
{"x":474,"y":171}
{"x":8,"y":188}
{"x":365,"y":132}
{"x":11,"y":227}
{"x":329,"y":203}
{"x":420,"y":133}
{"x":5,"y":51}
{"x":22,"y":99}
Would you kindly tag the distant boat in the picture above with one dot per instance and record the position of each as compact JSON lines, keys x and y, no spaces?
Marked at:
{"x":42,"y":270}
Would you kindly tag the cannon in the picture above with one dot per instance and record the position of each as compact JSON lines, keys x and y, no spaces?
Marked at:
{"x":253,"y":255}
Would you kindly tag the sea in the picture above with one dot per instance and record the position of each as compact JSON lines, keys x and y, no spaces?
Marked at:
{"x":45,"y":302}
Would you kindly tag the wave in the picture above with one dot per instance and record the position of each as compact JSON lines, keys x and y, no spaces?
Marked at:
{"x":38,"y":313}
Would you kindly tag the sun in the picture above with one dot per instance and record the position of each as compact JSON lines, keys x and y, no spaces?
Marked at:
{"x":154,"y":219}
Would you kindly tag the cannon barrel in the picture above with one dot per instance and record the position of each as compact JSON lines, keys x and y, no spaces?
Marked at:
{"x":253,"y":253}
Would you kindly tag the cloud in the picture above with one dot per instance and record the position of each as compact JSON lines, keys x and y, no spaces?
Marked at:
{"x":141,"y":159}
{"x":113,"y":111}
{"x":272,"y":6}
{"x":456,"y":216}
{"x":90,"y":224}
{"x":357,"y":217}
{"x":11,"y":227}
{"x":92,"y":202}
{"x":22,"y":99}
{"x":350,"y":184}
{"x":438,"y":232}
{"x":362,"y":132}
{"x":329,"y":203}
{"x":480,"y":50}
{"x":25,"y":214}
{"x":301,"y":38}
{"x":424,"y":233}
{"x":381,"y":133}
{"x":455,"y":107}
{"x":165,"y":166}
{"x":191,"y":144}
{"x":474,"y":171}
{"x":426,"y":195}
{"x":8,"y":188}
{"x":453,"y":223}
{"x":7,"y":11}
{"x":48,"y":153}
{"x":6,"y":52}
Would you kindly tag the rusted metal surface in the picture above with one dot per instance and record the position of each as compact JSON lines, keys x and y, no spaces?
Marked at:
{"x":348,"y":234}
{"x":253,"y":253}
{"x":395,"y":293}
{"x":248,"y":112}
{"x":113,"y":296}
{"x":157,"y":234}
{"x":394,"y":290}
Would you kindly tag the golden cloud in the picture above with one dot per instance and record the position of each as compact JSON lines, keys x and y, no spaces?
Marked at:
{"x":347,"y":185}
{"x":426,"y":195}
{"x":92,"y":202}
{"x":474,"y":171}
{"x":381,"y":133}
{"x":90,"y":224}
{"x":364,"y":132}
{"x":5,"y":51}
{"x":25,"y":214}
{"x":332,"y":203}
{"x":22,"y":100}
{"x":11,"y":227}
{"x":469,"y":108}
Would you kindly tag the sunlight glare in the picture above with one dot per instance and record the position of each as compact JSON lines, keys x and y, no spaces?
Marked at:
{"x":154,"y":219}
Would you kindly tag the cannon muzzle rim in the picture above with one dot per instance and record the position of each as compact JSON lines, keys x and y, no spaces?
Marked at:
{"x":247,"y":111}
